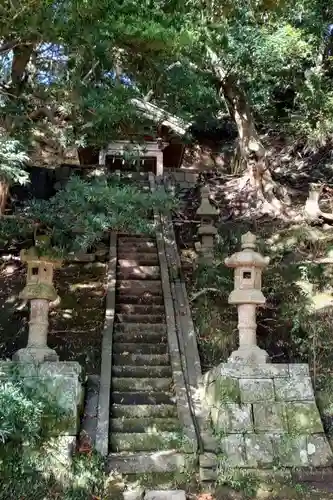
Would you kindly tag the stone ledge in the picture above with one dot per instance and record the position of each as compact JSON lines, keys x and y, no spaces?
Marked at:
{"x":165,"y":495}
{"x":264,"y":451}
{"x":60,"y":381}
{"x":239,"y":370}
{"x":47,"y":369}
{"x":265,"y":415}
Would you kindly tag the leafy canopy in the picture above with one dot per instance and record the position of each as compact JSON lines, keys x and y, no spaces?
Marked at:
{"x":78,"y":215}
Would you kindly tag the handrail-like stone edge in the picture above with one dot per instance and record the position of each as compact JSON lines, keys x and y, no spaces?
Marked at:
{"x":183,"y":409}
{"x":103,"y":414}
{"x":189,"y":348}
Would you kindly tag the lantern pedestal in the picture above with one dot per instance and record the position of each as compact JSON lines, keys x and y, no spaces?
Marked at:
{"x":247,"y":295}
{"x":250,"y":354}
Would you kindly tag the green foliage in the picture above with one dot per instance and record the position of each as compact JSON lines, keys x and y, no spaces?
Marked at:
{"x":314,"y":119}
{"x":26,"y":411}
{"x":29,"y":418}
{"x":162,"y":47}
{"x":12,"y":159}
{"x":79,"y":215}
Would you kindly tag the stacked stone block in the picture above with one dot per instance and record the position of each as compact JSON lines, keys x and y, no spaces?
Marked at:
{"x":186,"y":179}
{"x":62,"y":381}
{"x":265,"y":416}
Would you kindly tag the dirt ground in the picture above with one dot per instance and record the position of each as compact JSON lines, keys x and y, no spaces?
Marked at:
{"x":75,"y":326}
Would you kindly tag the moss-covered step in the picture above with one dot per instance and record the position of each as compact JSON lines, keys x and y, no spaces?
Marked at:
{"x":138,"y":272}
{"x":136,"y":246}
{"x":141,"y":371}
{"x":146,"y":299}
{"x":141,"y":384}
{"x":143,"y":424}
{"x":140,"y":359}
{"x":141,"y":463}
{"x":139,"y":318}
{"x":124,"y":308}
{"x":138,"y":348}
{"x":139,"y":287}
{"x":139,"y":337}
{"x":145,"y":441}
{"x":142,"y":398}
{"x":141,"y":328}
{"x":144,"y":411}
{"x":137,"y":258}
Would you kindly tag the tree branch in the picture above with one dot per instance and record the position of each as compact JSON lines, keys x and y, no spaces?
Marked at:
{"x":8,"y":46}
{"x":151,"y":92}
{"x":203,"y":291}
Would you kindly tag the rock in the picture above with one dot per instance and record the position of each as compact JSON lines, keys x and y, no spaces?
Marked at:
{"x":135,"y":494}
{"x":165,"y":495}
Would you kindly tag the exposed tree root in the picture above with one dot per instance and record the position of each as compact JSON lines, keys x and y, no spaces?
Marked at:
{"x":256,"y":194}
{"x":312,"y":210}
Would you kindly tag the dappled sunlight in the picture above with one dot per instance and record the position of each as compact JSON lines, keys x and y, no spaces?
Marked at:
{"x":12,"y":299}
{"x":83,"y":286}
{"x":322,"y":302}
{"x":9,"y":270}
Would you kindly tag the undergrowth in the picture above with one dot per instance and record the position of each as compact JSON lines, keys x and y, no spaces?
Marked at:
{"x":295,"y":323}
{"x":31,"y":465}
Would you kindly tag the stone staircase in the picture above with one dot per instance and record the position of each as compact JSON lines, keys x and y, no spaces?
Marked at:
{"x":145,"y":434}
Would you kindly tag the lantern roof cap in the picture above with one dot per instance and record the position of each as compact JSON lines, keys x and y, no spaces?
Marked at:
{"x":248,"y":240}
{"x":31,"y":256}
{"x":248,"y":257}
{"x":206,"y":208}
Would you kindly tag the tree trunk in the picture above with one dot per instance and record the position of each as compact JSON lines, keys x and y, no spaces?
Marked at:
{"x":21,"y":57}
{"x":251,"y":155}
{"x":4,"y":192}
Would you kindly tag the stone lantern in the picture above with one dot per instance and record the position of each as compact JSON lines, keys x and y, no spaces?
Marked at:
{"x":40,"y":291}
{"x":207,"y":231}
{"x":247,"y":295}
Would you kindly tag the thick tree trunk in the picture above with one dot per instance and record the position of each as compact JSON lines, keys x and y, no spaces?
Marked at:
{"x":251,"y":157}
{"x":239,"y":109}
{"x":21,"y":57}
{"x":4,"y":192}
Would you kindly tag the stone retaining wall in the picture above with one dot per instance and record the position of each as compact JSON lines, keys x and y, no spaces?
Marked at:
{"x":265,"y":417}
{"x":63,"y":382}
{"x":185,"y":178}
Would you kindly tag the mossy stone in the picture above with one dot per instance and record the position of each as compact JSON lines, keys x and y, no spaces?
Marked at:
{"x":303,"y":418}
{"x":223,"y":390}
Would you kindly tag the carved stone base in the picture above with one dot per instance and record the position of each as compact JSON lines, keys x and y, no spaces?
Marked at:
{"x":35,"y":355}
{"x":249,"y":355}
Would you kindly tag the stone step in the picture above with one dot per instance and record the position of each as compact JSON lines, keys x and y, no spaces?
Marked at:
{"x":143,"y":441}
{"x":138,"y":272}
{"x":142,"y":398}
{"x":145,"y":299}
{"x":141,"y":337}
{"x":139,"y":318}
{"x":137,"y":259}
{"x":139,"y":287}
{"x":137,"y":246}
{"x":141,"y":371}
{"x":138,"y":348}
{"x":144,"y":411}
{"x":140,"y":463}
{"x":140,"y":309}
{"x":141,"y":359}
{"x":135,"y":237}
{"x":126,"y":384}
{"x":141,"y":328}
{"x":138,"y":425}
